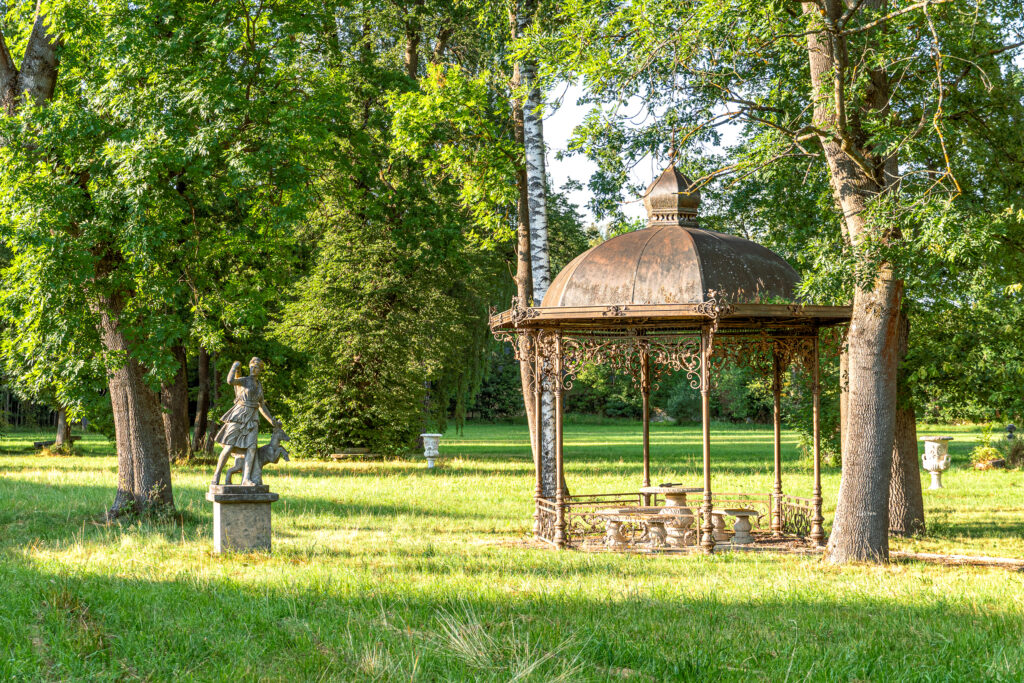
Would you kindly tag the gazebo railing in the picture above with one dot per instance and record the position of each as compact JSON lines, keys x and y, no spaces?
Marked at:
{"x":796,"y":515}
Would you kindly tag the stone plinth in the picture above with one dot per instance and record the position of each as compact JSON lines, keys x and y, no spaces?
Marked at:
{"x":241,"y":517}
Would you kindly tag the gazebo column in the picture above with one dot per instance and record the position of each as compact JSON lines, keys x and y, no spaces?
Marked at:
{"x":559,"y":470}
{"x":817,"y":532}
{"x":645,"y":391}
{"x":777,"y":423}
{"x":538,"y":394}
{"x":707,"y":542}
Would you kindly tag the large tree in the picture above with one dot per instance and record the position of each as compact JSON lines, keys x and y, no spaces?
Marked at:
{"x":389,"y":324}
{"x":169,"y":134}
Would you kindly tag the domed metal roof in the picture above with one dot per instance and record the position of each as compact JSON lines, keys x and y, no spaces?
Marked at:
{"x":672,"y":261}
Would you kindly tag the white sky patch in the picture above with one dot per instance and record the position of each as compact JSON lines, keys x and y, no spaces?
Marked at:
{"x":558,"y":127}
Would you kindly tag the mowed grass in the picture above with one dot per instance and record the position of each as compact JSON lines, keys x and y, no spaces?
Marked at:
{"x":388,"y":571}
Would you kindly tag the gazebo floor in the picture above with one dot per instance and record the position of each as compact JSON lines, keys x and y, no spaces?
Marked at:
{"x":763,"y":542}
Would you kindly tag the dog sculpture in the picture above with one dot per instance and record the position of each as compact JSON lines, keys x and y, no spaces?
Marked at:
{"x":271,"y":453}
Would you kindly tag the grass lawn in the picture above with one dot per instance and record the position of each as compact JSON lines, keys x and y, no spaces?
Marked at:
{"x":388,"y":571}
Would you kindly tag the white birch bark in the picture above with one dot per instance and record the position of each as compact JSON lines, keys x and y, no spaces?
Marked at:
{"x":533,"y":148}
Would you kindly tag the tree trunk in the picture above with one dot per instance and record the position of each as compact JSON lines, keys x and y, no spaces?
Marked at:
{"x":202,"y":401}
{"x":174,"y":401}
{"x":63,"y":429}
{"x":143,"y":469}
{"x":860,"y":531}
{"x":861,"y":526}
{"x":844,"y":400}
{"x":37,"y":75}
{"x":524,"y":278}
{"x":906,"y":503}
{"x":533,"y":147}
{"x":412,"y":39}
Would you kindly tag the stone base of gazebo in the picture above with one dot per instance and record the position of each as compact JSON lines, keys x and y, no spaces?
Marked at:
{"x":639,"y":524}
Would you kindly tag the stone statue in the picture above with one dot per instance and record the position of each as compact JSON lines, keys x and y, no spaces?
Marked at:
{"x":241,"y":426}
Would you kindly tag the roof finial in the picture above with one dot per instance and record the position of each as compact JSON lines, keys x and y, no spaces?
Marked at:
{"x":672,"y":199}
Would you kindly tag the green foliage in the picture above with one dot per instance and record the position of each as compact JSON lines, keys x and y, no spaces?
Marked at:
{"x":501,"y":394}
{"x":981,"y":455}
{"x":64,"y":450}
{"x":600,"y":390}
{"x":161,"y":185}
{"x":458,"y":128}
{"x":373,"y":325}
{"x":984,"y":451}
{"x":1012,"y":450}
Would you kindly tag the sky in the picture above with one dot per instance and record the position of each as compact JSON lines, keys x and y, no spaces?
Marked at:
{"x":558,"y":126}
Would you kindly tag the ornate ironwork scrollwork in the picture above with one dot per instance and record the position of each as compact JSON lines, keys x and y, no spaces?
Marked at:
{"x":754,"y":350}
{"x":546,"y":347}
{"x":626,"y":354}
{"x":679,"y":354}
{"x":521,"y":312}
{"x":715,"y":308}
{"x":796,"y":516}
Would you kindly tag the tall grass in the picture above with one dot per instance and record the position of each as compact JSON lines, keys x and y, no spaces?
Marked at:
{"x":388,"y":571}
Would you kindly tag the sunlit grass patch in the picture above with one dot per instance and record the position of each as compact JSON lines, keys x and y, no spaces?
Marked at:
{"x":388,"y":571}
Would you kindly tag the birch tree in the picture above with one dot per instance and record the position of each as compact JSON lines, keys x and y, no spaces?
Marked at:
{"x":540,"y":262}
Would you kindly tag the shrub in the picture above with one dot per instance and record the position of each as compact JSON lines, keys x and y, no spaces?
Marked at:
{"x":1012,"y":450}
{"x":983,"y":454}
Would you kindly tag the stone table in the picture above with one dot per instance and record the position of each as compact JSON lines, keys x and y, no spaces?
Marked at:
{"x":675,"y":496}
{"x":241,"y":517}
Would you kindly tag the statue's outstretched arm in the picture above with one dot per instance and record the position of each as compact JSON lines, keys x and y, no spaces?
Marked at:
{"x":266,"y":413}
{"x":233,"y":377}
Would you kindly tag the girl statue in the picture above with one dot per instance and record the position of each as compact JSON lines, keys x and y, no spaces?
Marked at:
{"x":242,"y":423}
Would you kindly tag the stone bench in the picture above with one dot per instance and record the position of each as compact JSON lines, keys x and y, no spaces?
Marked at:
{"x":665,"y":526}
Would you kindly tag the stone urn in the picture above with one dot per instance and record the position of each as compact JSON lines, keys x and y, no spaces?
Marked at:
{"x":431,"y":443}
{"x":936,"y":457}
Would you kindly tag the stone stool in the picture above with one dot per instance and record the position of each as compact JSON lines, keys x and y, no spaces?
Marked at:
{"x":718,"y":522}
{"x":741,"y":527}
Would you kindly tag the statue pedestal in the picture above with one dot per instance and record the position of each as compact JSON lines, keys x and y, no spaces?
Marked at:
{"x":241,"y":517}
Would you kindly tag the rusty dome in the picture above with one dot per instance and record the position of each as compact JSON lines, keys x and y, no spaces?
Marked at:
{"x":672,"y":261}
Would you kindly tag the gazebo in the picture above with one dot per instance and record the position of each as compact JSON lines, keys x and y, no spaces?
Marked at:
{"x":671,"y":297}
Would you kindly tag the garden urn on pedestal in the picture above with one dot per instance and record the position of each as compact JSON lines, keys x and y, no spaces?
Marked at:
{"x":936,"y":457}
{"x":431,"y":443}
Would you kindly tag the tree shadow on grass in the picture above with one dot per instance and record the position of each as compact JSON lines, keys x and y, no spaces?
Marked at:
{"x":268,"y":621}
{"x":953,"y":529}
{"x":42,"y":512}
